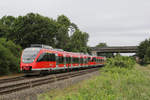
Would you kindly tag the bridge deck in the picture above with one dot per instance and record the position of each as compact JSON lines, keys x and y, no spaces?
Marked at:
{"x":115,"y":49}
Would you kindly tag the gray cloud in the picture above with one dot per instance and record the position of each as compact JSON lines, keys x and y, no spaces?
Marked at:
{"x":117,"y":22}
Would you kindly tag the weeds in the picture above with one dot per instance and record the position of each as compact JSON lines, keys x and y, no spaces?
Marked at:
{"x":117,"y":81}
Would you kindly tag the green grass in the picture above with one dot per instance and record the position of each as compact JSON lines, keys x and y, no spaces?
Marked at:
{"x":117,"y":81}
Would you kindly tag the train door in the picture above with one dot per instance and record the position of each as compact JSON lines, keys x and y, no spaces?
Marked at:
{"x":85,"y":61}
{"x":81,"y":61}
{"x":60,"y":61}
{"x":52,"y":60}
{"x":89,"y":61}
{"x":56,"y":57}
{"x":68,"y":61}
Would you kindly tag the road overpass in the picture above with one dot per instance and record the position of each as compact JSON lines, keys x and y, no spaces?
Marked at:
{"x":114,"y":49}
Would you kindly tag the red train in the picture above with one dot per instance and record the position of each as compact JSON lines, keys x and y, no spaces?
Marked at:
{"x":41,"y":58}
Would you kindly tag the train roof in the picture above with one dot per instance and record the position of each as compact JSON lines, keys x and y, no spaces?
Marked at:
{"x":60,"y":51}
{"x":41,"y":46}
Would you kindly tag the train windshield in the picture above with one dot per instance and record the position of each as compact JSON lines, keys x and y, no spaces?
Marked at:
{"x":29,"y":54}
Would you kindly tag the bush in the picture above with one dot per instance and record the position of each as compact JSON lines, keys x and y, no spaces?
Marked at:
{"x":120,"y":61}
{"x":10,"y":57}
{"x":118,"y":83}
{"x":144,"y":52}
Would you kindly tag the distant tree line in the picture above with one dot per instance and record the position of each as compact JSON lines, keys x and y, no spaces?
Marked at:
{"x":144,"y":52}
{"x":17,"y":33}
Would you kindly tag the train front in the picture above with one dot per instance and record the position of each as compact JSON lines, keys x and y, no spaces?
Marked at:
{"x":28,"y":59}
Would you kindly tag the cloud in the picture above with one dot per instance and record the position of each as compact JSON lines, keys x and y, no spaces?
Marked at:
{"x":116,"y":22}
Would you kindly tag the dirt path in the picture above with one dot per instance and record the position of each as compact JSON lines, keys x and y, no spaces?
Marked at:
{"x":11,"y":76}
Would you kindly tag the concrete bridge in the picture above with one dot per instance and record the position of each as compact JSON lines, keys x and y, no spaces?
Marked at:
{"x":114,"y":49}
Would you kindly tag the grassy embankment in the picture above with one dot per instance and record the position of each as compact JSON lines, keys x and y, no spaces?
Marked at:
{"x":119,"y":80}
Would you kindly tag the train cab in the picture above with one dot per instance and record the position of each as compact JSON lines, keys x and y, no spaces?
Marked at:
{"x":28,"y":58}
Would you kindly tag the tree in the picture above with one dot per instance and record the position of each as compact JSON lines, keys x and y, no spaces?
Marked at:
{"x":6,"y":25}
{"x":62,"y":36}
{"x":73,"y":27}
{"x":101,"y":45}
{"x":33,"y":29}
{"x":147,"y":56}
{"x":143,"y":51}
{"x":63,"y":20}
{"x":79,"y":42}
{"x":10,"y":57}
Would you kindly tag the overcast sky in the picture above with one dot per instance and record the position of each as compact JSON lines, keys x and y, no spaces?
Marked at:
{"x":116,"y":22}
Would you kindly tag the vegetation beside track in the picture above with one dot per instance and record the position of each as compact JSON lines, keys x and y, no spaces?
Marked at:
{"x":121,"y":80}
{"x":9,"y":57}
{"x":144,"y":52}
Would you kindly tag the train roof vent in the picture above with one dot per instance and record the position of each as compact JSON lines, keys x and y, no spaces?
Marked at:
{"x":41,"y":46}
{"x":59,"y":49}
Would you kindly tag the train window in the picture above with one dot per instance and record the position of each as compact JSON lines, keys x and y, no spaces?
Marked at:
{"x":68,"y":60}
{"x":75,"y":60}
{"x":29,"y":54}
{"x":101,"y":60}
{"x":89,"y":58}
{"x":86,"y":60}
{"x":81,"y":60}
{"x":60,"y":60}
{"x":95,"y":59}
{"x":46,"y":57}
{"x":51,"y":57}
{"x":42,"y":57}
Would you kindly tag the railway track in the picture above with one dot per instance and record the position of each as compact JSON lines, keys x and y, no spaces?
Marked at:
{"x":11,"y":79}
{"x":7,"y":89}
